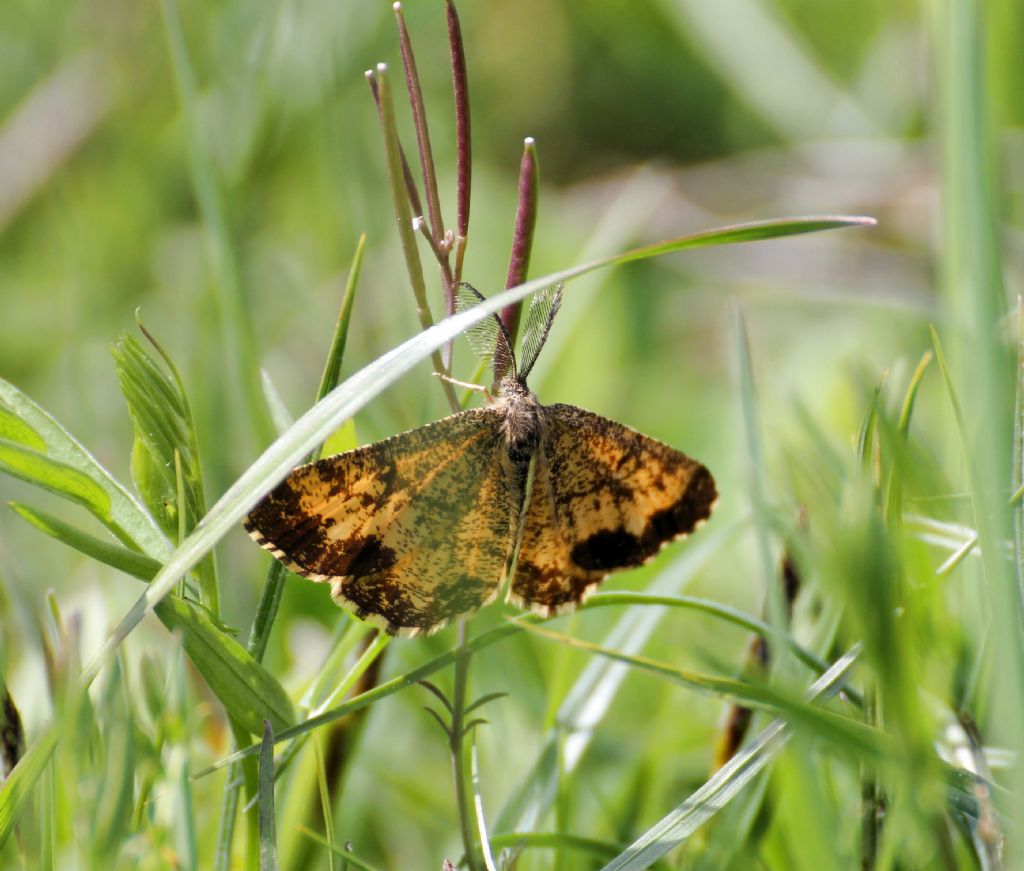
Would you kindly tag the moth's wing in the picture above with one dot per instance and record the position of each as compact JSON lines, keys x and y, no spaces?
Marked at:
{"x":411,"y":531}
{"x":604,"y":498}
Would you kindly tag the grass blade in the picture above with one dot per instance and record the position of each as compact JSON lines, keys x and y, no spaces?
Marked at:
{"x":131,"y":562}
{"x":14,"y":791}
{"x":350,"y":857}
{"x":725,"y":784}
{"x":268,"y":833}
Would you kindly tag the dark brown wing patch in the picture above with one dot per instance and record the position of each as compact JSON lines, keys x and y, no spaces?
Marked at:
{"x":411,"y":531}
{"x":604,"y":498}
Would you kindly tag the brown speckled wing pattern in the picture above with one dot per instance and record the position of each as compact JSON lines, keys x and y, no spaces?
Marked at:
{"x":420,"y":528}
{"x":604,"y":498}
{"x":411,"y":531}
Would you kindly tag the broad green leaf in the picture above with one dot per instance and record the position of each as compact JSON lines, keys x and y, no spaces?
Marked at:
{"x":61,"y":447}
{"x":250,"y":694}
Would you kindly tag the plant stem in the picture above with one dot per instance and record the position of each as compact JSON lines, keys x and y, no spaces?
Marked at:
{"x":463,"y":138}
{"x":462,"y":794}
{"x":403,"y":216}
{"x":869,"y":792}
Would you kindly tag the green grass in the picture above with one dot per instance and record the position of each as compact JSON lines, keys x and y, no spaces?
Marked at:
{"x":186,"y":704}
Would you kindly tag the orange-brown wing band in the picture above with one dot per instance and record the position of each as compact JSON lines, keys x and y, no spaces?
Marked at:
{"x":604,"y":498}
{"x":411,"y":531}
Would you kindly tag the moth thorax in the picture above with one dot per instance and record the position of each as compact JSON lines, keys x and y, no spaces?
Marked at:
{"x":522,"y":416}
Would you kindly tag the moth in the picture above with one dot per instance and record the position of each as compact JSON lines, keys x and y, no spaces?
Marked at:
{"x":541,"y":501}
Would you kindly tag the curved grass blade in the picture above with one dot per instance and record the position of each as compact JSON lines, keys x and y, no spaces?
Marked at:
{"x":723,"y":612}
{"x":131,"y":562}
{"x":350,"y":857}
{"x":725,"y":784}
{"x":555,"y":841}
{"x":841,"y":730}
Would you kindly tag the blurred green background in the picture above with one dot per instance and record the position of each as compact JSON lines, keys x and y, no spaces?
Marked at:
{"x":652,"y":119}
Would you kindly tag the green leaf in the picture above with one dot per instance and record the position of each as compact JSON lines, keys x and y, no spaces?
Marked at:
{"x":15,"y":790}
{"x":268,"y":829}
{"x":14,"y":429}
{"x":164,"y":435}
{"x":165,"y":456}
{"x":59,"y":478}
{"x":341,"y":440}
{"x":131,"y":562}
{"x":61,"y":447}
{"x":250,"y":694}
{"x":157,"y":487}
